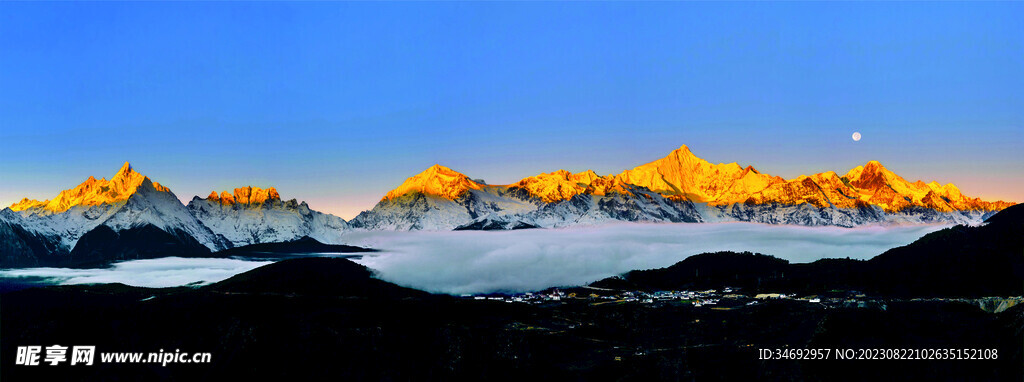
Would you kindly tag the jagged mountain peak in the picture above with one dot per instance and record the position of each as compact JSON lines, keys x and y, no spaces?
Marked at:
{"x":683,"y":150}
{"x":125,"y":171}
{"x":682,"y":155}
{"x":950,"y":187}
{"x":880,"y":186}
{"x":439,"y":169}
{"x":871,"y":169}
{"x":683,"y":174}
{"x":686,"y":159}
{"x":559,"y":185}
{"x":580,"y":177}
{"x":612,"y":185}
{"x":130,"y":204}
{"x":94,"y":192}
{"x":245,"y":195}
{"x":875,"y":167}
{"x":27,"y":203}
{"x":870,"y":193}
{"x":439,"y":181}
{"x":253,"y":215}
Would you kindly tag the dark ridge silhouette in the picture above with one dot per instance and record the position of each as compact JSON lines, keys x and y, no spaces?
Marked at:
{"x":314,"y":276}
{"x":102,"y":245}
{"x":21,"y":248}
{"x":328,"y":319}
{"x":959,"y":261}
{"x":304,"y":244}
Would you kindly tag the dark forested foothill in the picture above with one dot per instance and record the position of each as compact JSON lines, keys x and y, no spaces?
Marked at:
{"x":960,"y":261}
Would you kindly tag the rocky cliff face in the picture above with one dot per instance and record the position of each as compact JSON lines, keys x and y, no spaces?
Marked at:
{"x":245,"y":195}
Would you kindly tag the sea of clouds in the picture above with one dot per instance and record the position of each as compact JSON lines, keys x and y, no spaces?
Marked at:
{"x":153,"y":273}
{"x":461,"y":262}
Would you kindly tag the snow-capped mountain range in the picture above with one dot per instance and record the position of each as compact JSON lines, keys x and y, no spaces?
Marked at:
{"x":130,"y":216}
{"x":117,"y":210}
{"x":680,"y":187}
{"x":442,"y":199}
{"x":252,"y":215}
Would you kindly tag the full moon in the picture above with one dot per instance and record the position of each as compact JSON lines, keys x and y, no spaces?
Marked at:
{"x":856,"y":136}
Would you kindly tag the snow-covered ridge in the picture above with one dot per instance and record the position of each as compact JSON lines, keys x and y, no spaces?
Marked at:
{"x":34,"y":232}
{"x":91,"y":192}
{"x":253,"y":215}
{"x":127,"y":200}
{"x":678,"y":187}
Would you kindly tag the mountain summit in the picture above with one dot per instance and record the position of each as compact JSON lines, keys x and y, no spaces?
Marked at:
{"x":678,"y":187}
{"x":92,"y":192}
{"x":252,"y":215}
{"x":128,"y":216}
{"x":878,"y":185}
{"x":559,"y":185}
{"x":245,"y":195}
{"x":439,"y":181}
{"x":682,"y":173}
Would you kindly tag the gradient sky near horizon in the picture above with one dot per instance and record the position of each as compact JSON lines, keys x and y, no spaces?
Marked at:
{"x":337,"y":103}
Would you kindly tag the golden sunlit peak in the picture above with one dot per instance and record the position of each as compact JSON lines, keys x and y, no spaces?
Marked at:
{"x":93,"y":192}
{"x":559,"y":185}
{"x":826,"y":175}
{"x":245,"y":195}
{"x":125,"y":169}
{"x":582,"y":177}
{"x":749,"y":170}
{"x":439,"y":169}
{"x":951,"y":188}
{"x":681,"y":155}
{"x":681,"y":175}
{"x":438,"y":181}
{"x":874,"y":164}
{"x":27,"y":203}
{"x":684,"y":155}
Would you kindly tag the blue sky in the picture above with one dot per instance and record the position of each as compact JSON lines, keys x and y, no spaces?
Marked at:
{"x":336,"y":103}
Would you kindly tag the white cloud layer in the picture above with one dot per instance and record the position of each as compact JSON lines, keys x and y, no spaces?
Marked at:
{"x":481,"y":262}
{"x":153,"y":273}
{"x":509,"y":261}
